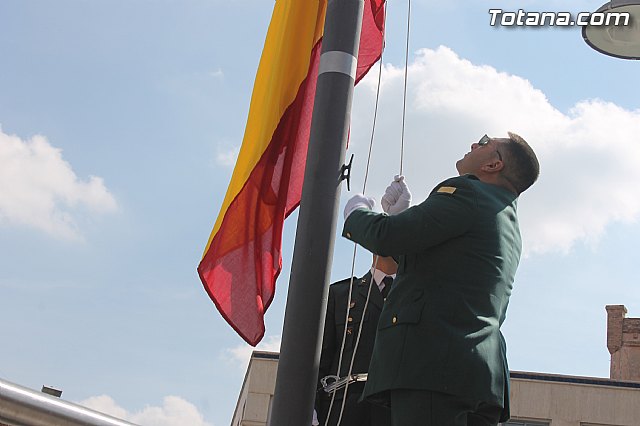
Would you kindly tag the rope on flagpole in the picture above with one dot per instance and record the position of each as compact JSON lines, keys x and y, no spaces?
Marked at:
{"x":404,"y":94}
{"x":364,"y":186}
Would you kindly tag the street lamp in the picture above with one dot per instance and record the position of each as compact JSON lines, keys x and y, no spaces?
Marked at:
{"x":614,"y":36}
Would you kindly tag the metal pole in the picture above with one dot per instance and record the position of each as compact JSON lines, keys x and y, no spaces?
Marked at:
{"x":27,"y":407}
{"x":315,"y":236}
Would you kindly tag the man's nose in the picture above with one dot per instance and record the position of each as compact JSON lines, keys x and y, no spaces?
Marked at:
{"x":474,"y":146}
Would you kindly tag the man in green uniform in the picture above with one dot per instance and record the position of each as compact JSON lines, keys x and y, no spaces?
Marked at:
{"x":439,"y":358}
{"x":366,"y":300}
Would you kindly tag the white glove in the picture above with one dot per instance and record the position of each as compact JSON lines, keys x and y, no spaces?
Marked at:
{"x":397,"y":197}
{"x":314,"y":421}
{"x":358,"y":201}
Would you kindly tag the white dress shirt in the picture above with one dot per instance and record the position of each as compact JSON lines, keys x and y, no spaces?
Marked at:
{"x":378,"y":276}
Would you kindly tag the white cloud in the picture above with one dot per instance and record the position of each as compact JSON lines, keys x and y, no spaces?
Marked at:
{"x":38,"y":188}
{"x":227,"y":158}
{"x":218,"y":74}
{"x":241,"y":354}
{"x":174,"y":411}
{"x":588,"y":156}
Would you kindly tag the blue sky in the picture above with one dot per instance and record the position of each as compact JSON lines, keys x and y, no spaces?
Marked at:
{"x":119,"y":123}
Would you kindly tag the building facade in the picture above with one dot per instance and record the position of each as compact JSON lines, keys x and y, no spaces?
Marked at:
{"x":537,"y":399}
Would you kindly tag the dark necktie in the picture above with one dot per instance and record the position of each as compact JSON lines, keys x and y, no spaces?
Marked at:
{"x":387,"y":286}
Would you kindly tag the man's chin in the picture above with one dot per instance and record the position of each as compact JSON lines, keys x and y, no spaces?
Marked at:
{"x":459,"y":167}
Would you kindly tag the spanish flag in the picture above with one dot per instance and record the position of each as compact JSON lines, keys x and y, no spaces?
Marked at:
{"x":243,"y":256}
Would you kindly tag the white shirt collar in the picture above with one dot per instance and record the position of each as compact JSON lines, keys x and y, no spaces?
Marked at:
{"x":378,"y":276}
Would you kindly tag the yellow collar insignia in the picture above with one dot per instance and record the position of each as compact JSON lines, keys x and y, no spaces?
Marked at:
{"x":447,"y":189}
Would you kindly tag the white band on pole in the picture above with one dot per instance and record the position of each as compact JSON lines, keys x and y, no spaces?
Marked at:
{"x":338,"y":61}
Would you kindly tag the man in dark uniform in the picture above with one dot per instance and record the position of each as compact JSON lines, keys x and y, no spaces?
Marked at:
{"x":439,"y":357}
{"x":376,"y":285}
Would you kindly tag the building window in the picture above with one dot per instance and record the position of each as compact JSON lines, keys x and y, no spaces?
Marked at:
{"x":524,"y":423}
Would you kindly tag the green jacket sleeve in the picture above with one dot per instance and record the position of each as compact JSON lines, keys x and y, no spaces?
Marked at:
{"x":329,"y":337}
{"x":448,"y":212}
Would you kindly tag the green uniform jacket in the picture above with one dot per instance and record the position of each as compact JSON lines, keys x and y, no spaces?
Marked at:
{"x":440,"y":326}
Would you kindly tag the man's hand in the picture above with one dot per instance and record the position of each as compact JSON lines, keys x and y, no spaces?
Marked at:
{"x":397,"y":197}
{"x":358,"y":201}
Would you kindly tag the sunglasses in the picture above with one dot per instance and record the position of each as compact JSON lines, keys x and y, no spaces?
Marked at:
{"x":485,"y":140}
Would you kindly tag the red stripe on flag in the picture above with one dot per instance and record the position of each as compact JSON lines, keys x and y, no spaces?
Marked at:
{"x":244,"y":258}
{"x":371,"y":36}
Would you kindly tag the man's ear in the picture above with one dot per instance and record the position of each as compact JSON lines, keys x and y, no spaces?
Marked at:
{"x":494,"y":166}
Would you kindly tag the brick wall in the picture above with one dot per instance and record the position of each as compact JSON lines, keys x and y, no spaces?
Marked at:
{"x":623,"y":342}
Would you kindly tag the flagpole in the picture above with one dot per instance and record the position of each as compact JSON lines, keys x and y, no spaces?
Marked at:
{"x":315,"y":235}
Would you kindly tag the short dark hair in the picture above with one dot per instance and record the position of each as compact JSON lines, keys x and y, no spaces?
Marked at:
{"x":522,"y":168}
